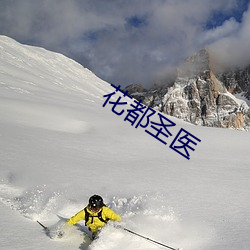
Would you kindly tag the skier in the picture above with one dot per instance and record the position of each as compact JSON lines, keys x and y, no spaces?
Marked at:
{"x":95,"y":214}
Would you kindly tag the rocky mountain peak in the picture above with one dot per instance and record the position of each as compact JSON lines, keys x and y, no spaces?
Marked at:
{"x":202,"y":97}
{"x":194,"y":65}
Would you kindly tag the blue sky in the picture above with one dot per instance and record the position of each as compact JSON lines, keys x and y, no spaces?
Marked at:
{"x":218,"y":17}
{"x":131,"y":41}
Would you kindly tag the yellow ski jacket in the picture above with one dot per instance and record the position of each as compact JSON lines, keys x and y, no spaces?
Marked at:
{"x":94,"y":223}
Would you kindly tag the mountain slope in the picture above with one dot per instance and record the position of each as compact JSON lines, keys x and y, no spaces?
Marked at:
{"x":59,"y":145}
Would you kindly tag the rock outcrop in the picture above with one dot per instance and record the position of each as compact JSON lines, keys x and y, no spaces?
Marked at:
{"x":199,"y":96}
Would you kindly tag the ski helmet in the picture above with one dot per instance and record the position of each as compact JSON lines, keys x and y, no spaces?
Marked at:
{"x":95,"y":202}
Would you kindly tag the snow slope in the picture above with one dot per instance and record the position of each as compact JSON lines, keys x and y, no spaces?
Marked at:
{"x":59,"y":146}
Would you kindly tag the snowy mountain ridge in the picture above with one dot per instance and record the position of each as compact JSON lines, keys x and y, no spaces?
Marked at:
{"x":25,"y":57}
{"x":36,"y":74}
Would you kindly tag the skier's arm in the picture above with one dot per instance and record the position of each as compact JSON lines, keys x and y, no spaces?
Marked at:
{"x":77,"y":217}
{"x":110,"y":214}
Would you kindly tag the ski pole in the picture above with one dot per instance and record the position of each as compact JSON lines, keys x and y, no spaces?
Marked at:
{"x":45,"y":228}
{"x":146,"y":238}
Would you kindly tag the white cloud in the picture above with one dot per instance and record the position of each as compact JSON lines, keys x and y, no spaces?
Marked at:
{"x":228,"y":28}
{"x":97,"y":32}
{"x":233,"y":50}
